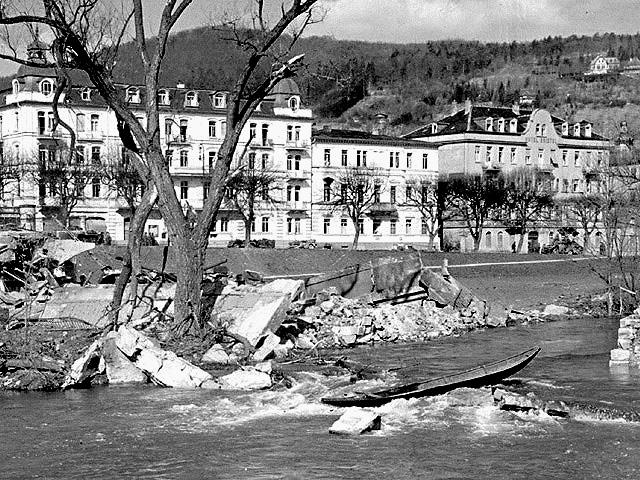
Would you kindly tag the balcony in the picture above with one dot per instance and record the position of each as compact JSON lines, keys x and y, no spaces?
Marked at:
{"x":492,"y":166}
{"x":546,"y":168}
{"x":261,"y":143}
{"x":95,"y":136}
{"x":48,"y":134}
{"x":297,"y":174}
{"x":297,"y":144}
{"x":178,"y":139}
{"x":297,"y":206}
{"x":383,"y":209}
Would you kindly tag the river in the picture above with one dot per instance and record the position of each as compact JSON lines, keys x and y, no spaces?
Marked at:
{"x":112,"y":432}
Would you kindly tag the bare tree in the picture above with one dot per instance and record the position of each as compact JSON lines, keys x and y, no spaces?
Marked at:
{"x":528,"y":197}
{"x":63,"y":178}
{"x":422,"y":193}
{"x":253,"y":187}
{"x":587,"y":211}
{"x":355,"y":193}
{"x":472,"y":200}
{"x":82,"y":42}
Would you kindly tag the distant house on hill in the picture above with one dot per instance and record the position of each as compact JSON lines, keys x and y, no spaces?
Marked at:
{"x":602,"y":65}
{"x":632,"y":67}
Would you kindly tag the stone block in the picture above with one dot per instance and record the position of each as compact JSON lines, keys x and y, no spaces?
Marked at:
{"x":120,"y":370}
{"x":266,"y":347}
{"x":327,"y":307}
{"x":355,"y":421}
{"x":293,"y":288}
{"x":438,"y":288}
{"x":555,"y":310}
{"x":265,"y":315}
{"x":216,"y":354}
{"x":626,"y":332}
{"x":249,"y":379}
{"x":624,"y":343}
{"x":305,"y":342}
{"x":619,"y":355}
{"x":84,"y":367}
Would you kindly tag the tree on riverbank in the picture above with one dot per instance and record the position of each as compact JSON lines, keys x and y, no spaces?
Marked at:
{"x":87,"y":35}
{"x":422,"y":193}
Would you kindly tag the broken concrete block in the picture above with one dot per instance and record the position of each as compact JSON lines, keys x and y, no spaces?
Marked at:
{"x":85,"y":367}
{"x":305,"y":342}
{"x":266,"y":367}
{"x":327,"y":306}
{"x":266,"y":348}
{"x":248,"y":379}
{"x":119,"y":368}
{"x":555,"y":310}
{"x":211,"y":385}
{"x":281,"y":351}
{"x":392,"y":277}
{"x":619,"y":355}
{"x":216,"y":354}
{"x":89,"y":304}
{"x":293,"y":288}
{"x":438,"y":288}
{"x":355,"y":421}
{"x":163,"y":367}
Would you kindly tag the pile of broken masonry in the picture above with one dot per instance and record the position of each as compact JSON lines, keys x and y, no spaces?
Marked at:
{"x":252,"y":322}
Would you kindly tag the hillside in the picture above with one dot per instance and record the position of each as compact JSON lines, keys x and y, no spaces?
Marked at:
{"x":348,"y":82}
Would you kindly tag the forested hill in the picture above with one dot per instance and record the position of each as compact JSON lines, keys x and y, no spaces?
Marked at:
{"x":352,"y":81}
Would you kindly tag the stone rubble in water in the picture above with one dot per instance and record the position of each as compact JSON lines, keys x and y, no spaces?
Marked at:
{"x":356,"y":421}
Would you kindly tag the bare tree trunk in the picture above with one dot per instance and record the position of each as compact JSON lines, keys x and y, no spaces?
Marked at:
{"x":356,"y":236}
{"x":131,"y":262}
{"x":521,"y":242}
{"x":247,"y":233}
{"x":190,"y":258}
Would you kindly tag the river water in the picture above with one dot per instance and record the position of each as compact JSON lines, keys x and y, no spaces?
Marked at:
{"x":112,"y":432}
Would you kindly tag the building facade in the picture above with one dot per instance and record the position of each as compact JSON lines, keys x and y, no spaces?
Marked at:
{"x":489,"y":140}
{"x":400,"y":166}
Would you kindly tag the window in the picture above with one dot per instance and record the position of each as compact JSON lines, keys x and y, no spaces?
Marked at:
{"x":296,"y":133}
{"x":392,"y":194}
{"x":425,"y":226}
{"x":17,"y":123}
{"x":540,"y":157}
{"x":265,"y":134}
{"x":392,"y":226}
{"x":206,"y":186}
{"x":343,"y":226}
{"x":265,"y":224}
{"x":85,"y":94}
{"x":95,"y":122}
{"x":407,"y":226}
{"x":169,"y":157}
{"x":289,"y":190}
{"x":376,"y":193}
{"x":296,"y":193}
{"x":224,"y":224}
{"x":425,"y":161}
{"x":513,"y":155}
{"x":289,"y":133}
{"x":500,"y":154}
{"x":576,"y":159}
{"x":408,"y":194}
{"x":289,"y":162}
{"x":163,"y":97}
{"x":184,"y":158}
{"x":364,"y":158}
{"x":476,"y":155}
{"x":46,"y":87}
{"x":376,"y":226}
{"x":409,"y":158}
{"x":80,"y":122}
{"x":326,"y":226}
{"x":252,"y":160}
{"x":344,"y":158}
{"x":489,"y":153}
{"x":191,"y":99}
{"x":294,"y":103}
{"x":361,"y":225}
{"x":50,"y":121}
{"x":488,"y":240}
{"x":184,"y":190}
{"x":358,"y":158}
{"x":264,"y":161}
{"x":223,"y":128}
{"x":296,"y":162}
{"x":42,"y":123}
{"x":326,"y":190}
{"x":15,"y":87}
{"x":219,"y":100}
{"x":80,"y":155}
{"x":344,"y":192}
{"x":327,"y":157}
{"x":133,"y":95}
{"x":252,"y":131}
{"x":95,"y":155}
{"x":575,"y":186}
{"x":184,"y":123}
{"x":168,"y":126}
{"x":212,"y":128}
{"x":527,"y":156}
{"x":289,"y":225}
{"x":95,"y":188}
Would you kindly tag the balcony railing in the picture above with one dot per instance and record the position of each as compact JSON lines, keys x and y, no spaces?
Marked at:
{"x":297,"y":144}
{"x":261,"y":143}
{"x":297,"y":174}
{"x":178,"y":139}
{"x":297,"y":206}
{"x":90,"y":135}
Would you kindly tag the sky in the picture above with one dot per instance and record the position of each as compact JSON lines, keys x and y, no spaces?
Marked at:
{"x":407,"y":21}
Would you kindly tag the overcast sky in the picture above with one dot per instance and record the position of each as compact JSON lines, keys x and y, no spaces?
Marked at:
{"x":406,"y":21}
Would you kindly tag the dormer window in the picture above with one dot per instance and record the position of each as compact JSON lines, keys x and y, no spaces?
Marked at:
{"x":191,"y":99}
{"x":576,"y":130}
{"x":538,"y":130}
{"x":513,"y":125}
{"x":565,"y":128}
{"x":86,"y":94}
{"x":15,"y":84}
{"x":587,"y":130}
{"x":543,"y":130}
{"x":434,"y":128}
{"x":219,"y":100}
{"x":294,"y":103}
{"x":46,"y":87}
{"x":163,"y":97}
{"x":501,"y":125}
{"x":133,"y":95}
{"x":488,"y":124}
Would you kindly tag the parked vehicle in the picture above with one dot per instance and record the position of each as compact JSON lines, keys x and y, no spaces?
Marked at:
{"x":303,"y":244}
{"x":261,"y":243}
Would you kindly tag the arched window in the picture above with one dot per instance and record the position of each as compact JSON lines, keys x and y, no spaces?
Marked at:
{"x":163,"y":97}
{"x":15,"y":84}
{"x":488,"y":240}
{"x":326,"y":191}
{"x":191,"y":99}
{"x":219,"y":100}
{"x":500,"y":240}
{"x":46,"y":87}
{"x":294,"y":103}
{"x":86,"y":94}
{"x":133,"y":95}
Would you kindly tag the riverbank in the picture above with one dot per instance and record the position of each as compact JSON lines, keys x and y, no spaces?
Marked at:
{"x":38,"y":356}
